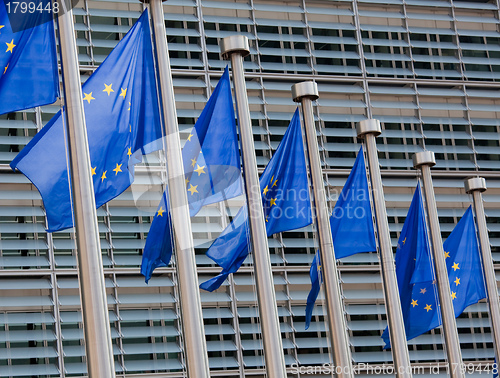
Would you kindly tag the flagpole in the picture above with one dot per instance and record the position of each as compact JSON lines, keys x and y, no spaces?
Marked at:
{"x":236,"y":48}
{"x":98,"y":345}
{"x":369,"y":129}
{"x":305,"y":93}
{"x":476,"y":186}
{"x":193,"y":332}
{"x":425,"y":160}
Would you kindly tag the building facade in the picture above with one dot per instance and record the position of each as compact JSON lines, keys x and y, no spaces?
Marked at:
{"x":428,"y":70}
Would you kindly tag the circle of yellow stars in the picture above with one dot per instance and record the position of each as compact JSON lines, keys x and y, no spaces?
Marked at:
{"x":200,"y":169}
{"x":272,"y":201}
{"x":455,"y":267}
{"x":160,"y":211}
{"x":108,"y":89}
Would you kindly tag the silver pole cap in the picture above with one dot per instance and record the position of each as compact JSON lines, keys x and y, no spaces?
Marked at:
{"x":424,"y":158}
{"x":369,"y":126}
{"x":307,"y":89}
{"x":234,"y":44}
{"x":475,"y":183}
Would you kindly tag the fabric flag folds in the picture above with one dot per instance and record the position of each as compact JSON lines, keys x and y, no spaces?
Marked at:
{"x":316,"y":276}
{"x":351,"y":224}
{"x":351,"y":220}
{"x":28,"y":60}
{"x":212,"y":172}
{"x":418,"y":292}
{"x":461,"y":251}
{"x":285,"y":199}
{"x":123,"y":123}
{"x":415,"y":273}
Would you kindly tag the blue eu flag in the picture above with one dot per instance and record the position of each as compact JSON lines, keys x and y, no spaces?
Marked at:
{"x":123,"y":123}
{"x":211,"y":157}
{"x":316,"y":276}
{"x":415,"y":273}
{"x":212,"y":172}
{"x":28,"y":61}
{"x":285,"y":199}
{"x":461,"y":251}
{"x":417,"y":289}
{"x":158,"y":249}
{"x":351,"y":223}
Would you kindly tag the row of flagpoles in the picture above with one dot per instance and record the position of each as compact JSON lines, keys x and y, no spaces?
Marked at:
{"x":207,"y":170}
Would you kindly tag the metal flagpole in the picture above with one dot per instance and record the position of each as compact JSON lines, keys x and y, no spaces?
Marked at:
{"x":425,"y":160}
{"x":236,"y":47}
{"x":369,"y":129}
{"x":306,"y":92}
{"x":98,"y":345}
{"x":475,"y":186}
{"x":195,"y":346}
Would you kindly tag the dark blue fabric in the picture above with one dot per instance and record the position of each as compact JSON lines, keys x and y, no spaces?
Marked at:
{"x":285,"y":199}
{"x":316,"y":279}
{"x":351,"y":221}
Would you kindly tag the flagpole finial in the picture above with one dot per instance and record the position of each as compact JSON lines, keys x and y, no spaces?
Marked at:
{"x":475,"y":183}
{"x":368,"y":126}
{"x":303,"y":89}
{"x":424,"y":158}
{"x":234,"y":44}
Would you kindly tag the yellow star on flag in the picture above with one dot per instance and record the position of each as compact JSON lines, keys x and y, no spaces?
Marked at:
{"x":123,"y":93}
{"x":88,"y":97}
{"x":428,"y":307}
{"x":404,"y":241}
{"x":199,"y":170}
{"x":160,"y":211}
{"x":192,"y":189}
{"x":129,"y":152}
{"x":118,"y":168}
{"x":189,"y":137}
{"x":103,"y":176}
{"x":414,"y":302}
{"x":2,"y":26}
{"x":423,"y":291}
{"x":108,"y":88}
{"x":446,"y":254}
{"x":193,"y":162}
{"x":457,"y":281}
{"x":455,"y":267}
{"x":10,"y":46}
{"x":273,"y":201}
{"x":5,"y":69}
{"x":187,"y":181}
{"x":93,"y":170}
{"x":275,"y":183}
{"x":265,"y":190}
{"x":453,"y":295}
